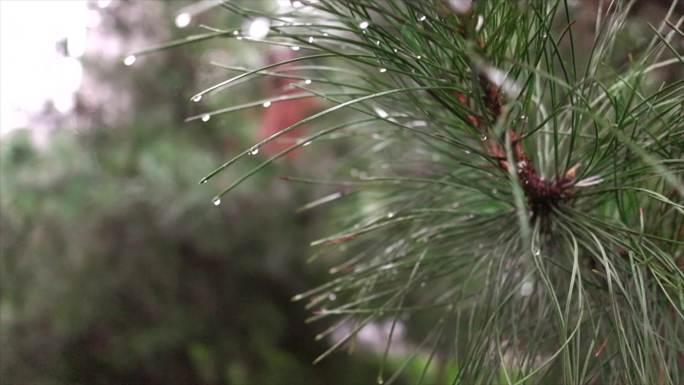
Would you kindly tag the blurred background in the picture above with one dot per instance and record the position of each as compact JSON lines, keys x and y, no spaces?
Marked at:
{"x":116,"y":266}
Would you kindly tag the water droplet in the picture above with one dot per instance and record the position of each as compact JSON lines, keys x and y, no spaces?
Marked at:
{"x":467,"y":152}
{"x":203,"y":181}
{"x":364,"y":24}
{"x":183,"y":20}
{"x":239,"y":37}
{"x":295,"y":48}
{"x":267,"y":104}
{"x":380,"y":380}
{"x":419,"y":57}
{"x":450,"y":307}
{"x":395,"y":50}
{"x":306,"y":144}
{"x":297,"y":4}
{"x":129,"y":60}
{"x":332,"y":297}
{"x":483,"y":137}
{"x":259,"y":28}
{"x":254,"y":151}
{"x":307,"y":81}
{"x":297,"y":297}
{"x":536,"y":252}
{"x":377,"y":42}
{"x":423,"y":284}
{"x":382,"y":70}
{"x":522,"y":164}
{"x":480,"y":23}
{"x":325,"y":34}
{"x":311,"y":39}
{"x":236,"y":32}
{"x":390,"y":215}
{"x":206,"y":117}
{"x":216,"y":201}
{"x":422,"y":18}
{"x":197,"y":98}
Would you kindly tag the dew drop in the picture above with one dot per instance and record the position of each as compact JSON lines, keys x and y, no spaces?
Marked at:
{"x":380,"y":381}
{"x":306,"y":144}
{"x":183,"y":20}
{"x":332,"y":297}
{"x":216,"y":201}
{"x":395,"y":50}
{"x":239,"y":37}
{"x":129,"y":60}
{"x":203,"y":181}
{"x":382,"y":70}
{"x":390,"y":215}
{"x":422,"y":18}
{"x":364,"y":24}
{"x":197,"y":98}
{"x":295,"y":48}
{"x":236,"y":32}
{"x":480,"y":23}
{"x":467,"y":152}
{"x":377,"y":42}
{"x":206,"y":117}
{"x":423,"y":284}
{"x":483,"y":137}
{"x":307,"y":81}
{"x":325,"y":34}
{"x":311,"y":39}
{"x":297,"y":297}
{"x":419,"y":57}
{"x":267,"y":104}
{"x":259,"y":28}
{"x":254,"y":151}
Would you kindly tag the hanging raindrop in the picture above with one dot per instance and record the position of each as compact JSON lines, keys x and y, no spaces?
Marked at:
{"x":382,"y":70}
{"x":129,"y":60}
{"x":364,"y":24}
{"x":216,"y":201}
{"x":254,"y":151}
{"x":206,"y":117}
{"x":295,"y":48}
{"x":197,"y":98}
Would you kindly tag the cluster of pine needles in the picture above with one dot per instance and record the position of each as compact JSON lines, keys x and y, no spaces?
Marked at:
{"x":511,"y":191}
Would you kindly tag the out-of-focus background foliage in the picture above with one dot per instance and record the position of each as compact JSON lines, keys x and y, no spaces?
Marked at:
{"x":116,"y":267}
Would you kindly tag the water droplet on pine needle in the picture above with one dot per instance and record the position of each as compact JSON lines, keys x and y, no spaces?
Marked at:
{"x":129,"y":60}
{"x":254,"y":151}
{"x":197,"y":98}
{"x":206,"y":117}
{"x":216,"y":201}
{"x":364,"y":24}
{"x":295,"y":48}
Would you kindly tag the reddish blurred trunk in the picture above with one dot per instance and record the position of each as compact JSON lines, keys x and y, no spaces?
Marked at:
{"x":281,"y":115}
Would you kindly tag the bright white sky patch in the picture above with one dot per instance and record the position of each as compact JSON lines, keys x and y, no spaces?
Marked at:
{"x":32,"y":71}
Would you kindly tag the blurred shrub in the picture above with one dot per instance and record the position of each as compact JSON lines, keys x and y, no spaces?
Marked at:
{"x":116,"y":268}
